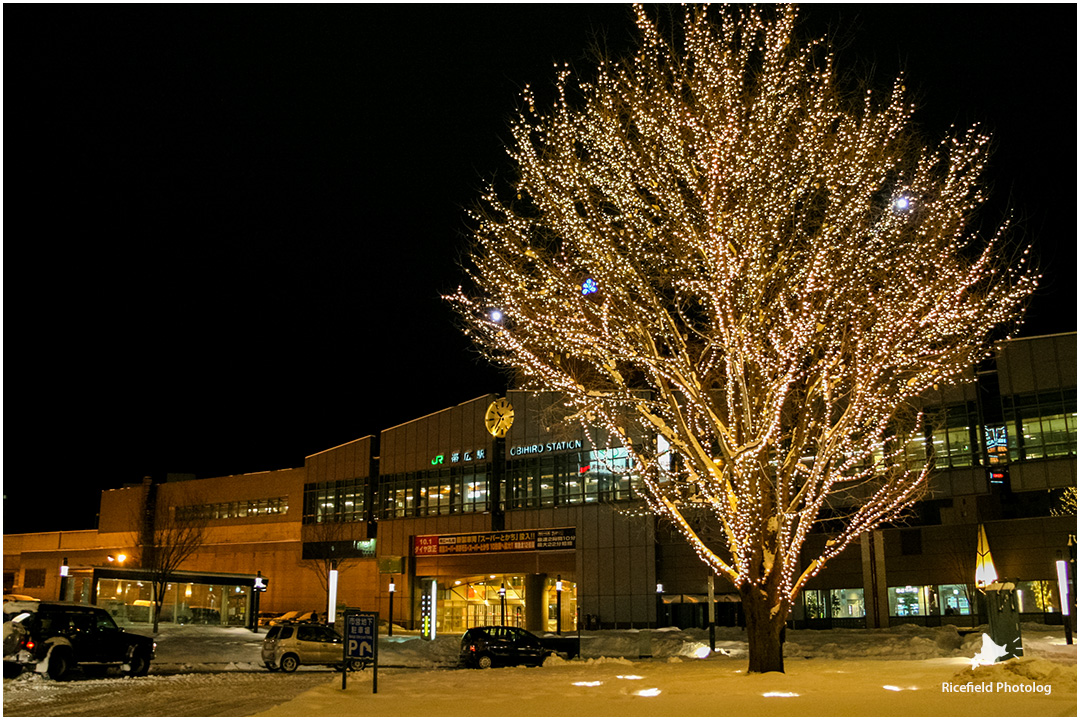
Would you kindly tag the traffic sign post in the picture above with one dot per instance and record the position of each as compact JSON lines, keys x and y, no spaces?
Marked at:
{"x":361,"y":643}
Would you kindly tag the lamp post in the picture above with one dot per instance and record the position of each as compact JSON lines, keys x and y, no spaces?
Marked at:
{"x":502,"y":601}
{"x":63,"y":579}
{"x":390,"y":621}
{"x":558,"y":604}
{"x":1063,"y":596}
{"x":257,"y":588}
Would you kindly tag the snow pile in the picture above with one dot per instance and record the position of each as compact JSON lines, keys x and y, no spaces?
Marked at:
{"x":1023,"y":671}
{"x":911,"y":642}
{"x":192,"y":647}
{"x":413,"y":651}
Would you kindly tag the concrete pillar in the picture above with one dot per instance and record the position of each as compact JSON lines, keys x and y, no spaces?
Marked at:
{"x":536,"y":602}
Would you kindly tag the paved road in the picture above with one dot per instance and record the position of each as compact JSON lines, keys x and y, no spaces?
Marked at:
{"x":203,"y":694}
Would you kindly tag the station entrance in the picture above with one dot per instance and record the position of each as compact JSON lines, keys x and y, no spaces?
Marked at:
{"x":532,"y":602}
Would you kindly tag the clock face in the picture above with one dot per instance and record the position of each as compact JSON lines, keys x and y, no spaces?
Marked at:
{"x":499,"y":417}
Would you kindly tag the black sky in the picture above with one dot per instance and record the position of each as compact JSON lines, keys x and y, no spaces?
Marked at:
{"x":229,"y":226}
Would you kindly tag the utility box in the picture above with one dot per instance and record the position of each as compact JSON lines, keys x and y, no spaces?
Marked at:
{"x":1004,"y":615}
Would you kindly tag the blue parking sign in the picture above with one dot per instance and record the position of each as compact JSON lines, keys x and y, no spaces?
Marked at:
{"x":361,"y":643}
{"x":361,"y":634}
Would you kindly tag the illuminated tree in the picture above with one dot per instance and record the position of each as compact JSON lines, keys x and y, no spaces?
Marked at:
{"x":718,"y":248}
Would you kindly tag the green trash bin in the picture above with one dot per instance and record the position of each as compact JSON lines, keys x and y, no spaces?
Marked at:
{"x":1003,"y":611}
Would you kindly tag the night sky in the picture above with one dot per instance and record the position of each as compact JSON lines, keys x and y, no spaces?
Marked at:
{"x":229,"y":227}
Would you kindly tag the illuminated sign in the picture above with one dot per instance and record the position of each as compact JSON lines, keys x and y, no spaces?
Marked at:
{"x":997,"y":445}
{"x":427,"y":611}
{"x":493,"y":542}
{"x":545,"y":447}
{"x":467,"y":456}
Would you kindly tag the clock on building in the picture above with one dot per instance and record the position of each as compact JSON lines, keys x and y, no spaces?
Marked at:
{"x":499,"y":417}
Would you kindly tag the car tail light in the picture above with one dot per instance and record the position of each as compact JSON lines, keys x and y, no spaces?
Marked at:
{"x":472,"y":648}
{"x":29,"y":644}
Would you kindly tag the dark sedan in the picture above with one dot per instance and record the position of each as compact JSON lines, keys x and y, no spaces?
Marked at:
{"x":486,"y":647}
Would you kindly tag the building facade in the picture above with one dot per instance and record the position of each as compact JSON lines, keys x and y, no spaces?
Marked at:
{"x":491,"y":512}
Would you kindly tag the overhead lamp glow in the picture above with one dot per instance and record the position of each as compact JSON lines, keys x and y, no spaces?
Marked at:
{"x":901,"y":204}
{"x":495,"y":315}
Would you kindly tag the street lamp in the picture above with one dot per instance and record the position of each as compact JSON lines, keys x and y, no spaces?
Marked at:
{"x":502,"y":601}
{"x":558,"y":604}
{"x":390,"y":622}
{"x":1063,"y":596}
{"x":63,"y":579}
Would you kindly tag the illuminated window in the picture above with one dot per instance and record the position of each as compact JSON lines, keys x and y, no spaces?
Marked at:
{"x":909,"y":600}
{"x":335,"y":501}
{"x":1046,"y":424}
{"x":954,"y":600}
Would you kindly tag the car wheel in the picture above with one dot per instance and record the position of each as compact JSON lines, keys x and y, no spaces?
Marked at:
{"x":139,"y":665}
{"x":12,"y":670}
{"x":356,"y":665}
{"x":271,"y":668}
{"x":60,"y":664}
{"x":289,"y":663}
{"x":484,"y":662}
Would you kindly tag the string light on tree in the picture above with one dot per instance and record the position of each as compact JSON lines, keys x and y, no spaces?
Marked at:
{"x":786,"y":270}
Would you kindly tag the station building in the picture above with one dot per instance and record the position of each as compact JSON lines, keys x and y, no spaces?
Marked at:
{"x":483,"y":513}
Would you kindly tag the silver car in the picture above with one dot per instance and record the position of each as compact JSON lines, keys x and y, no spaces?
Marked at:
{"x":287,"y":647}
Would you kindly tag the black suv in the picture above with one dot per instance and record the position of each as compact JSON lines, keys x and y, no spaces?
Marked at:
{"x":54,"y":638}
{"x":485,"y":647}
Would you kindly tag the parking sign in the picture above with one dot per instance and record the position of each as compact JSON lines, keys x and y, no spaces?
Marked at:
{"x":361,"y":643}
{"x":360,"y":636}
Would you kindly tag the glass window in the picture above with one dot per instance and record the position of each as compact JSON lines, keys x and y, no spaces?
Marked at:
{"x":954,"y":600}
{"x":1046,"y":422}
{"x":814,"y":602}
{"x":847,"y":603}
{"x":1037,"y":596}
{"x":909,"y":600}
{"x":952,"y":438}
{"x":574,"y":478}
{"x":915,"y":452}
{"x":546,"y":480}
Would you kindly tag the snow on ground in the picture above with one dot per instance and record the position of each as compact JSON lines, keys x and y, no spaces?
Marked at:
{"x":900,"y":671}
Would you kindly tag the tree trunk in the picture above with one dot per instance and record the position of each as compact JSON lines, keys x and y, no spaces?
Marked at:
{"x":764,"y":630}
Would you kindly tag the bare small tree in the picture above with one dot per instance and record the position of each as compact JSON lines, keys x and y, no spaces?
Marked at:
{"x":716,"y":244}
{"x":332,"y":549}
{"x":960,"y":555}
{"x":167,"y":537}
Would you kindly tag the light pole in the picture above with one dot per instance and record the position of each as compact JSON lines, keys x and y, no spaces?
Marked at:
{"x":502,"y":601}
{"x":390,"y":622}
{"x":63,"y":579}
{"x":1063,"y":597}
{"x":558,"y":604}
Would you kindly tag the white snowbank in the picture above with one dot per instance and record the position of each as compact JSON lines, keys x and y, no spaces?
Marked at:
{"x":900,"y":671}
